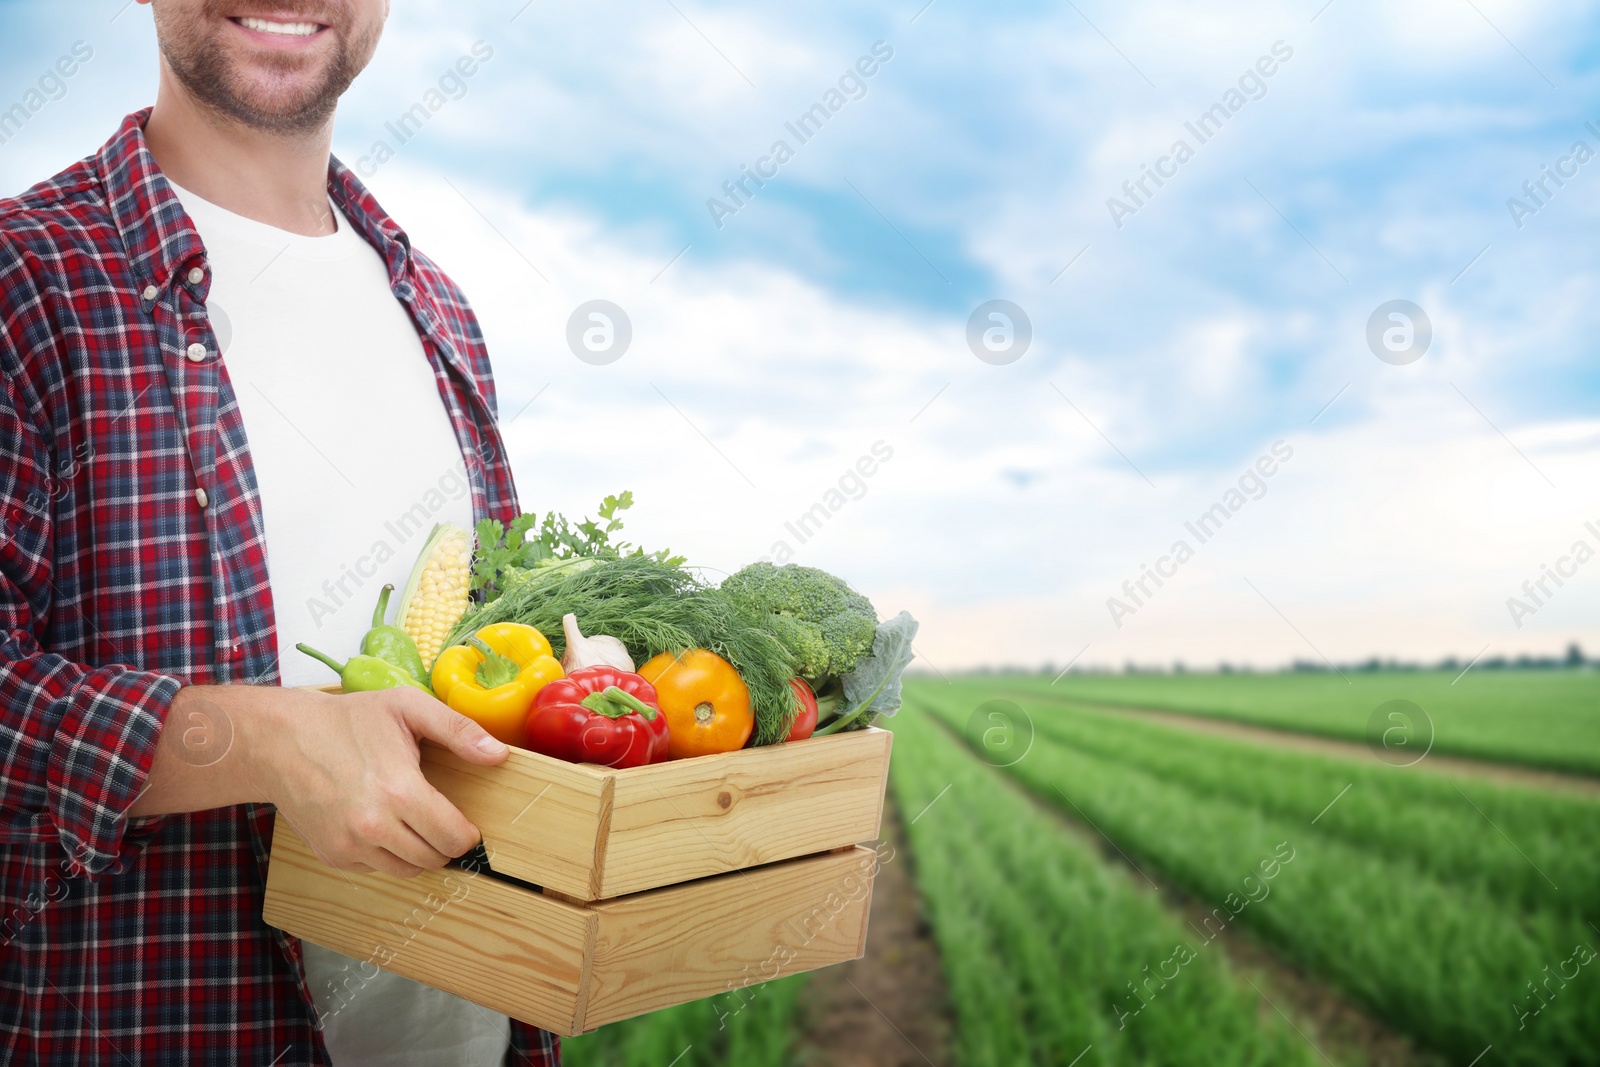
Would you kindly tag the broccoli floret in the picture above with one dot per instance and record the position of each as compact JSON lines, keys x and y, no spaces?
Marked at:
{"x":849,"y":634}
{"x":803,"y":641}
{"x":825,"y":625}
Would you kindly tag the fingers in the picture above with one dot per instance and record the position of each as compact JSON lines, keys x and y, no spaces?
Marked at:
{"x":437,"y":822}
{"x":398,"y":851}
{"x":361,"y":858}
{"x":431,"y":719}
{"x":376,"y":833}
{"x":399,"y":860}
{"x":407,"y":846}
{"x":373,"y":809}
{"x":415,"y":822}
{"x":385,"y":862}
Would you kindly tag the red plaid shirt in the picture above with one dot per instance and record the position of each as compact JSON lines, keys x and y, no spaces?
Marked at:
{"x":139,"y":940}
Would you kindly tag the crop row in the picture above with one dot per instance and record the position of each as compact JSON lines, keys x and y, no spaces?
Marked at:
{"x":1533,"y":848}
{"x":1545,"y":718}
{"x":1048,"y":953}
{"x":1449,"y":964}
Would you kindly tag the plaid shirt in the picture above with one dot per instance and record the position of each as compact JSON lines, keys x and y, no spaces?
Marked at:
{"x":139,"y":940}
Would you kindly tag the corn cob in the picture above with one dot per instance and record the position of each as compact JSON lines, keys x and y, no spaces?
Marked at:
{"x":435,"y":596}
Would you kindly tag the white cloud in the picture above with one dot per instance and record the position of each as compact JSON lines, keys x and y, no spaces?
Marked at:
{"x":1003,"y":518}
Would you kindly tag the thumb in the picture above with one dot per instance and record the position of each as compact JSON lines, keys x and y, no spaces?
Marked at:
{"x":437,"y":722}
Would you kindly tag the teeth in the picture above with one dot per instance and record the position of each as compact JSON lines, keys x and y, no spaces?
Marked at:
{"x":288,"y":29}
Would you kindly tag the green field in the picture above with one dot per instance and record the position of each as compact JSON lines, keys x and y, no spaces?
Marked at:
{"x":1545,"y":718}
{"x":1452,"y":910}
{"x":1404,"y":895}
{"x":754,"y":1026}
{"x":1046,"y":949}
{"x":1432,"y":822}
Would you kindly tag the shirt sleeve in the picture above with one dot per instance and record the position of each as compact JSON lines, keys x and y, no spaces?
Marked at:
{"x":76,"y":742}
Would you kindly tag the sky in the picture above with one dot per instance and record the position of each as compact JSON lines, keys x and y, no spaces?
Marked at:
{"x":1314,"y":163}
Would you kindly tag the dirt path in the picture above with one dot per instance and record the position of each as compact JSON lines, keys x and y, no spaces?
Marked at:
{"x":1463,"y":766}
{"x":889,"y":1009}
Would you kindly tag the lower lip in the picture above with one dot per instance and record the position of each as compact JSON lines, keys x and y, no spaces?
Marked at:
{"x":280,"y":40}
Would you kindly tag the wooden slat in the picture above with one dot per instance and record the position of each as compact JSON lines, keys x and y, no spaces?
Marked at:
{"x":672,"y":822}
{"x":491,"y":942}
{"x":542,"y":820}
{"x":685,"y":942}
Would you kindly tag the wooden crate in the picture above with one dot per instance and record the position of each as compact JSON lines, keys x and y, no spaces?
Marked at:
{"x":652,"y":886}
{"x":570,"y":967}
{"x":594,"y":833}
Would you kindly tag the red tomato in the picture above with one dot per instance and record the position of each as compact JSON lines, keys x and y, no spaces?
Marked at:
{"x":806,"y":721}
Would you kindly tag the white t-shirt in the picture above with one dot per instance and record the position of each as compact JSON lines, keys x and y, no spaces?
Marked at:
{"x":355,"y":461}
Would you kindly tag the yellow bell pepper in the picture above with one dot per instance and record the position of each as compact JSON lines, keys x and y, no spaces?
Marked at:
{"x":493,"y":678}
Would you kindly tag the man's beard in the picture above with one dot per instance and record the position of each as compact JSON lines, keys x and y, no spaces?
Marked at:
{"x":206,"y":72}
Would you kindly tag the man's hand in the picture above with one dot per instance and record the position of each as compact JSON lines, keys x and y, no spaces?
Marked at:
{"x":343,"y":770}
{"x":348,"y":780}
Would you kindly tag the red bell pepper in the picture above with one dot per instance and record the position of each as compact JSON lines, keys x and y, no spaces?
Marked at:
{"x":599,"y":714}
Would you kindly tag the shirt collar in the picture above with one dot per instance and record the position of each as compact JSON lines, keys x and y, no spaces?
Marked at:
{"x":369,"y":218}
{"x":156,"y":232}
{"x":159,"y":237}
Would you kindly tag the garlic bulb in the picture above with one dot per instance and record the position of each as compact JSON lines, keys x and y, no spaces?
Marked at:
{"x":591,"y":651}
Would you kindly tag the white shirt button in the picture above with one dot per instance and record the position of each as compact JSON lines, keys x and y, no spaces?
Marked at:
{"x":200,"y":496}
{"x":196,"y":353}
{"x":151,"y":292}
{"x":196,"y":275}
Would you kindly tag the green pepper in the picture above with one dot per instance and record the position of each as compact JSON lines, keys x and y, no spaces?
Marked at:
{"x":392,"y":644}
{"x":362,"y":673}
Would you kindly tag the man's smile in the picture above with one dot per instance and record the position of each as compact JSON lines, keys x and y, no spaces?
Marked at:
{"x":278,"y":30}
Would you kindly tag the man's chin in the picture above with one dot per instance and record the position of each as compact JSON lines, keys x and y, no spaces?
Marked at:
{"x":276,"y":87}
{"x":281,"y":103}
{"x":278,"y":111}
{"x":271,"y":96}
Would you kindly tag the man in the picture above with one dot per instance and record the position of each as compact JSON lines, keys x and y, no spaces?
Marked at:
{"x":233,"y":395}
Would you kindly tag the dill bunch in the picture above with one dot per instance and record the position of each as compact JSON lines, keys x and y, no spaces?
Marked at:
{"x":651,"y":607}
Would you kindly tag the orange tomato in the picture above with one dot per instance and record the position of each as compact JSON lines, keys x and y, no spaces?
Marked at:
{"x":706,"y":703}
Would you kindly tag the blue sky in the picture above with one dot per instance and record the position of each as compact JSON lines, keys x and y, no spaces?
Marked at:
{"x":829,"y":313}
